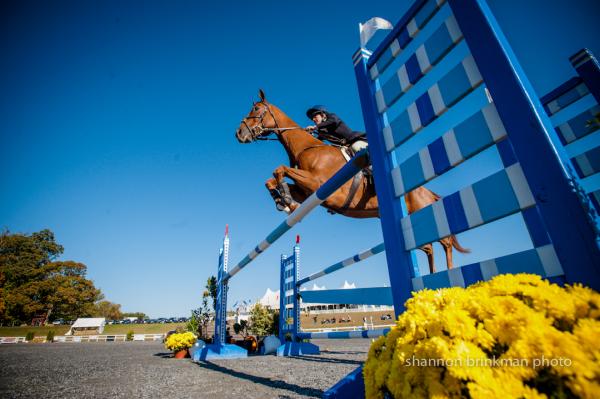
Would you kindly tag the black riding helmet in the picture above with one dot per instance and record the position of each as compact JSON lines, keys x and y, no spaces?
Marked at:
{"x":315,"y":109}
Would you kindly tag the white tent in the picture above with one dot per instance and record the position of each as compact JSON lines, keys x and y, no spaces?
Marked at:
{"x":270,"y":299}
{"x":88,"y":325}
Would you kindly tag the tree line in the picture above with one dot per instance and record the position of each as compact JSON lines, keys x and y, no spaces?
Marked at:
{"x":34,"y":283}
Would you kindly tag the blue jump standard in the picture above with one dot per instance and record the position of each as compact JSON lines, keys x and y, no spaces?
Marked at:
{"x":220,"y":351}
{"x":298,"y":349}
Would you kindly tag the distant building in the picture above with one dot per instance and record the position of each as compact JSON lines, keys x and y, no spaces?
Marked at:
{"x":87,"y":326}
{"x":271,"y":300}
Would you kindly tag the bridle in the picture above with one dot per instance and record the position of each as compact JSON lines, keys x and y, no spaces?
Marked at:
{"x":257,"y":132}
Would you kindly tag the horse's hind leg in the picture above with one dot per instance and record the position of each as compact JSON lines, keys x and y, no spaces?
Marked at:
{"x":428,"y":249}
{"x":447,"y":244}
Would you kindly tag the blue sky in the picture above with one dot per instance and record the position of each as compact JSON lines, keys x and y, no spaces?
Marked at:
{"x":117,"y":124}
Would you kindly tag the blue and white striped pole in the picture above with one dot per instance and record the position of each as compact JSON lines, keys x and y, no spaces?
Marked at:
{"x":344,"y":263}
{"x":355,"y":165}
{"x":343,"y":334}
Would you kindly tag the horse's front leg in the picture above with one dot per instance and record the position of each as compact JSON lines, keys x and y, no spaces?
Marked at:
{"x":304,"y":181}
{"x":271,"y":185}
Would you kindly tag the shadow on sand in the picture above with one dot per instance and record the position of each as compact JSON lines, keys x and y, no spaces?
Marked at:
{"x":271,"y":383}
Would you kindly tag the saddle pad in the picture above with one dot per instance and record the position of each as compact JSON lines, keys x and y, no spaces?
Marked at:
{"x":346,"y":153}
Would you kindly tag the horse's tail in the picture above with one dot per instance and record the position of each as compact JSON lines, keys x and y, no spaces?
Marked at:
{"x":457,"y":246}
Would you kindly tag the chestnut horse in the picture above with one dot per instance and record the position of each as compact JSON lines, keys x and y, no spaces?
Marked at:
{"x":312,"y":163}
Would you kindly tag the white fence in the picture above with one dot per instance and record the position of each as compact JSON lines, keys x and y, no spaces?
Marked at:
{"x":90,"y":338}
{"x":361,"y":309}
{"x":11,"y":340}
{"x":355,"y":328}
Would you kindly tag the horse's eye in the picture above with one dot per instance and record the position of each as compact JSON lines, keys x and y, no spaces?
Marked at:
{"x":256,"y":109}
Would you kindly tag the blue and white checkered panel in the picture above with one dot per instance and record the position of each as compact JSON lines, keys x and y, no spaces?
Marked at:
{"x":588,"y":163}
{"x":450,"y":89}
{"x":465,"y":140}
{"x":541,"y":261}
{"x":440,"y":42}
{"x":494,"y":197}
{"x":455,"y":85}
{"x":579,"y":126}
{"x":418,"y":64}
{"x":567,"y":98}
{"x":405,"y":36}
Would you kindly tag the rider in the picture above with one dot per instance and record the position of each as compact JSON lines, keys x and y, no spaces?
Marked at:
{"x":331,"y":128}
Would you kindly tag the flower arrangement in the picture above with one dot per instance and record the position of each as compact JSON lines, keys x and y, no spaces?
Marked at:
{"x":512,"y":336}
{"x":180,"y":341}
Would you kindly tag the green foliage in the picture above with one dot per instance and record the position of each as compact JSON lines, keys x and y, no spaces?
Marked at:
{"x":594,"y":123}
{"x":129,"y":335}
{"x":198,"y":323}
{"x":111,"y":311}
{"x":194,"y":325}
{"x":30,"y":335}
{"x":211,"y":287}
{"x":262,"y":320}
{"x":50,"y":336}
{"x":139,"y":315}
{"x":200,"y":318}
{"x":33,"y":282}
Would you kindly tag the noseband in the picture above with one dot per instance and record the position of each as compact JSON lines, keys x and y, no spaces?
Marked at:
{"x":256,"y":132}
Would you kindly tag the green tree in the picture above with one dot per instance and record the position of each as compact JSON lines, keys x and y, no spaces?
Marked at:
{"x":200,"y":318}
{"x":262,"y":320}
{"x":139,"y":315}
{"x":33,"y":282}
{"x":211,"y":287}
{"x":111,"y":311}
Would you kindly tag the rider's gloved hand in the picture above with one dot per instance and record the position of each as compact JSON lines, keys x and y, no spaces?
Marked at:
{"x":310,"y":128}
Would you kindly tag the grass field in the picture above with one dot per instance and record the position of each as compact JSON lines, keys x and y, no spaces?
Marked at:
{"x":108,"y":330}
{"x":307,"y":321}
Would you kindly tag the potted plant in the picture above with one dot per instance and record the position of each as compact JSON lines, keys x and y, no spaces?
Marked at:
{"x":179,"y":343}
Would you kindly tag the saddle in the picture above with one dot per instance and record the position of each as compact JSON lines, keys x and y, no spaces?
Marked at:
{"x":367,"y":173}
{"x":347,"y":153}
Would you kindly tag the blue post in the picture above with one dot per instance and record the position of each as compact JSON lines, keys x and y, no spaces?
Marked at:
{"x":588,"y":69}
{"x":289,"y":308}
{"x":390,"y":210}
{"x":527,"y":127}
{"x":219,"y":349}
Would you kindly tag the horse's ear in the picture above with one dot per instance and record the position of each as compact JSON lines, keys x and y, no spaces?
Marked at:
{"x":261,"y":94}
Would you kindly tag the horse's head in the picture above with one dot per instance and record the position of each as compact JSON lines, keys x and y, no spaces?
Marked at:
{"x":259,"y":123}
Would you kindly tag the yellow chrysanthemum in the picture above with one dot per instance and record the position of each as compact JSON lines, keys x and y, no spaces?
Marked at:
{"x":507,"y":337}
{"x":180,"y":341}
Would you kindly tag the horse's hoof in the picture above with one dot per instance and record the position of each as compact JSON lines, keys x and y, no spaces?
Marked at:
{"x":287,"y":210}
{"x":283,"y":207}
